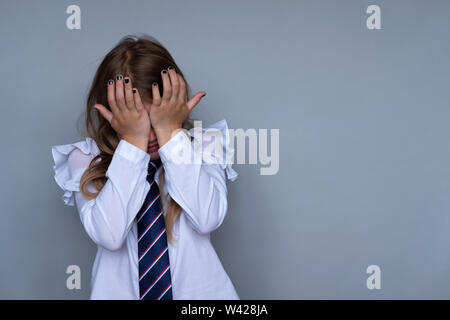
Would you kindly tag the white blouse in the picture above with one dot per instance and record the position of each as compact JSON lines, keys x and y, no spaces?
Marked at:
{"x":109,"y":219}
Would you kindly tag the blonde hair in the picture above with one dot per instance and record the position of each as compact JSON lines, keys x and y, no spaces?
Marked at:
{"x":142,"y":59}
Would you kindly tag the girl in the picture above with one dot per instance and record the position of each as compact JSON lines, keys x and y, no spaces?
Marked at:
{"x":150,"y":215}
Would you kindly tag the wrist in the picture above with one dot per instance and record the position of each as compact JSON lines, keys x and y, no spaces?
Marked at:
{"x":164,"y":134}
{"x":139,"y":142}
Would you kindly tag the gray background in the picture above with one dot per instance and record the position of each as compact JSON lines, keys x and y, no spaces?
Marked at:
{"x":363,"y":116}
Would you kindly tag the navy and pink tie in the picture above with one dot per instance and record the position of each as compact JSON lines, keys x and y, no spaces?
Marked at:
{"x":155,"y":281}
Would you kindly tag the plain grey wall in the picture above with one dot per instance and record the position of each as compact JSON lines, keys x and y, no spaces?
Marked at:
{"x":364,"y":155}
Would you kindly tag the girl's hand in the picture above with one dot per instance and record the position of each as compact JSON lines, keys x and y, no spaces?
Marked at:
{"x":128,"y":117}
{"x":168,"y":113}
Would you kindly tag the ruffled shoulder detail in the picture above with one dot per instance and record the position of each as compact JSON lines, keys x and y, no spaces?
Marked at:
{"x":68,"y":170}
{"x":216,"y":146}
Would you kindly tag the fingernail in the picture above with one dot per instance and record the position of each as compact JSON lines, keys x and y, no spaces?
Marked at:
{"x":110,"y":81}
{"x":127,"y":80}
{"x":164,"y":71}
{"x":203,"y":95}
{"x":155,"y":84}
{"x":134,"y":90}
{"x":170,"y":68}
{"x":119,"y":77}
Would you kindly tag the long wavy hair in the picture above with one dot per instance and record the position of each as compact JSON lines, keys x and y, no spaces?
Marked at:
{"x":141,"y":58}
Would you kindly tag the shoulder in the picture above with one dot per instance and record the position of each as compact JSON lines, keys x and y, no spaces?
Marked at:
{"x":70,"y":162}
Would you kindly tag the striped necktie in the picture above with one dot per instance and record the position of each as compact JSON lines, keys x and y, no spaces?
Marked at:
{"x":155,"y":281}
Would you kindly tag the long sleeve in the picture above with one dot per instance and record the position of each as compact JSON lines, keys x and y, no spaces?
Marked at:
{"x":198,"y":187}
{"x":109,"y":217}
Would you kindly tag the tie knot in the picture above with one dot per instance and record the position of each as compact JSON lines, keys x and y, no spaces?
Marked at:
{"x":153,"y":165}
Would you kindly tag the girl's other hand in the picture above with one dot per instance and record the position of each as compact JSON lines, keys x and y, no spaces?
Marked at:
{"x":168,"y":113}
{"x":127,"y":115}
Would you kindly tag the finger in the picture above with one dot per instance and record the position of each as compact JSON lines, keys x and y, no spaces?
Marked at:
{"x":182,"y":91}
{"x":156,"y":95}
{"x":137,"y":100}
{"x":195,"y":100}
{"x":120,"y":97}
{"x":167,"y":88}
{"x":174,"y":81}
{"x":104,"y":112}
{"x":111,"y":93}
{"x":129,"y":96}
